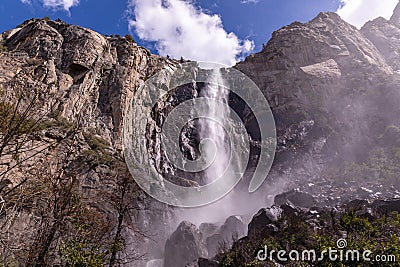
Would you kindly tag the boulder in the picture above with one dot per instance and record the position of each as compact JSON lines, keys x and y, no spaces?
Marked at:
{"x":208,"y":229}
{"x":296,"y":198}
{"x":207,"y":263}
{"x":232,"y":229}
{"x":262,"y":219}
{"x":184,"y":246}
{"x":383,"y":207}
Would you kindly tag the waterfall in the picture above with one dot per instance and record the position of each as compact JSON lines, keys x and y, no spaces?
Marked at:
{"x":213,"y":126}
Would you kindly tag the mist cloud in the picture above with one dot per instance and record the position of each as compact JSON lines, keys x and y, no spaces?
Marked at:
{"x":358,"y":12}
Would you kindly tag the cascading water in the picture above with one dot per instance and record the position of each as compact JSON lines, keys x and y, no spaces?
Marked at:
{"x":213,"y":126}
{"x":224,"y":148}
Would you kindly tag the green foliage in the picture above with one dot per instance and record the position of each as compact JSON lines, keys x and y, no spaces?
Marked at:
{"x":99,"y":153}
{"x":96,"y":157}
{"x":12,"y":120}
{"x":95,"y":142}
{"x":3,"y":48}
{"x":381,"y":167}
{"x":379,"y":235}
{"x":106,"y":48}
{"x":58,"y":122}
{"x":81,"y":254}
{"x":86,"y":247}
{"x":129,"y":38}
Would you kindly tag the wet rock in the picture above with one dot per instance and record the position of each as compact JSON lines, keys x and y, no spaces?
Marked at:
{"x":386,"y":206}
{"x":357,"y":204}
{"x":366,"y":213}
{"x":184,"y":246}
{"x":264,"y":217}
{"x":231,"y":230}
{"x":207,"y":263}
{"x":289,"y":210}
{"x":271,"y":229}
{"x":208,"y":229}
{"x":296,"y":198}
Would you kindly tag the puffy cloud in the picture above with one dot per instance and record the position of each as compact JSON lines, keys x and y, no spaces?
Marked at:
{"x":56,"y":4}
{"x":179,"y":28}
{"x":357,"y":12}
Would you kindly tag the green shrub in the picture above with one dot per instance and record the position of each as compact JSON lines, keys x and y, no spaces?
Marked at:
{"x":80,"y":254}
{"x":129,"y":38}
{"x":3,"y":48}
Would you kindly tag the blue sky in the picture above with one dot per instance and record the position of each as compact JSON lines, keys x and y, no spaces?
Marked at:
{"x":177,"y":27}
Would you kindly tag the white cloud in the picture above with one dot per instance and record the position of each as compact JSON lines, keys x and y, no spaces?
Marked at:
{"x":357,"y":12}
{"x":249,"y":1}
{"x":56,"y":4}
{"x":180,"y":29}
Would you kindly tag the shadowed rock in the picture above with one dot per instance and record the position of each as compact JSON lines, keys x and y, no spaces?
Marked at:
{"x":262,"y":219}
{"x":232,"y":229}
{"x":207,"y":263}
{"x":184,"y":246}
{"x":296,"y":198}
{"x":386,"y":206}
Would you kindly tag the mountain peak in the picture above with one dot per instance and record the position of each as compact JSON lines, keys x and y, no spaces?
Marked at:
{"x":395,"y":19}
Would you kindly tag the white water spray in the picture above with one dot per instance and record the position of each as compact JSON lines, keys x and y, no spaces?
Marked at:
{"x":214,"y":127}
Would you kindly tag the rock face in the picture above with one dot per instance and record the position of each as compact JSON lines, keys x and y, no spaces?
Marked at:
{"x":324,"y":81}
{"x":207,"y":263}
{"x":80,"y":77}
{"x":184,"y":246}
{"x":385,"y":35}
{"x":395,"y":19}
{"x":262,"y":220}
{"x":92,"y":75}
{"x":384,"y":207}
{"x":232,"y":229}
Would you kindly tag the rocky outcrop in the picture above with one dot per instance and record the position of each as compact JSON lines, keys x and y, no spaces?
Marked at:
{"x":83,"y":78}
{"x":92,"y":75}
{"x":385,"y":35}
{"x":232,"y":229}
{"x":184,"y":246}
{"x":208,"y":229}
{"x":296,"y":198}
{"x":207,"y":263}
{"x":323,"y":80}
{"x":263,"y":221}
{"x":385,"y":207}
{"x":307,"y":228}
{"x":395,"y":19}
